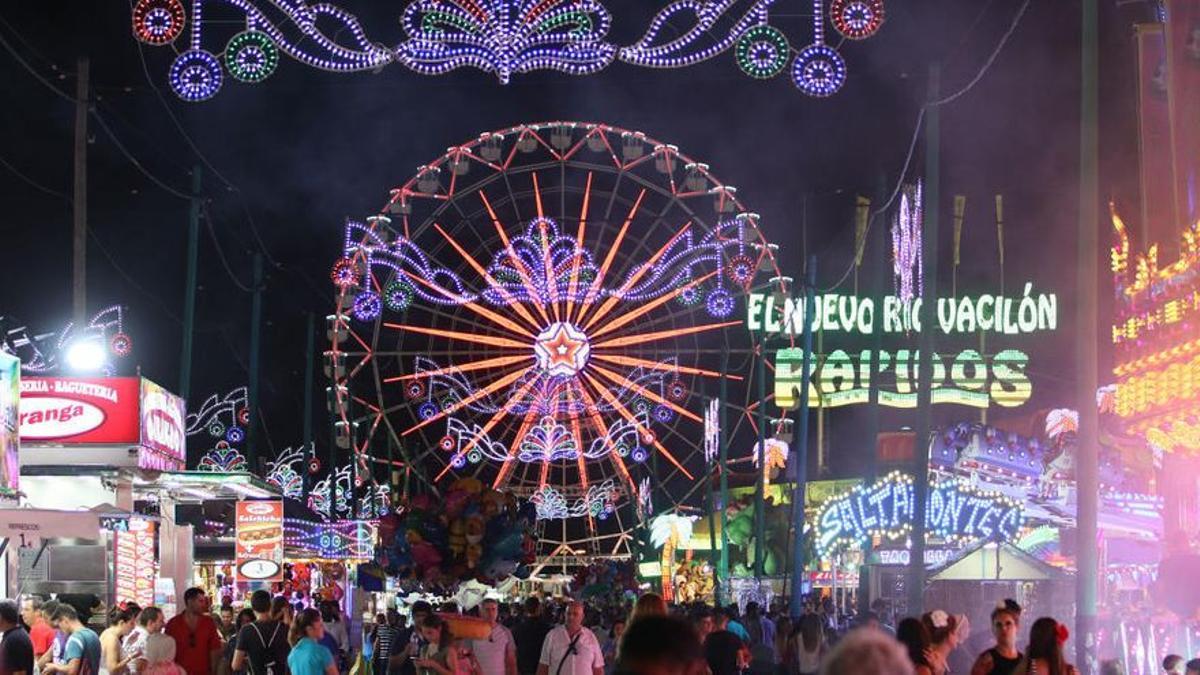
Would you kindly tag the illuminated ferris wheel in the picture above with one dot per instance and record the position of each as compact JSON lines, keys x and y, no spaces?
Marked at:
{"x":548,"y":309}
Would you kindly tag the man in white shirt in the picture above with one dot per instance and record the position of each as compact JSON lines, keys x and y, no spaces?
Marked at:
{"x":571,"y":649}
{"x":497,"y":655}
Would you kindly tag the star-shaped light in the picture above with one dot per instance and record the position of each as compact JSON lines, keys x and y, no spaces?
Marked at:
{"x":561,"y":349}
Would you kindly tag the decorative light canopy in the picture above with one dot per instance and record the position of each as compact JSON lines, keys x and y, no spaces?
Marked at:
{"x":500,"y":37}
{"x":906,"y":244}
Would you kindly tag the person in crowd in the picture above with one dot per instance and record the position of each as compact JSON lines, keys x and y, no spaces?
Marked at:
{"x":571,"y":649}
{"x":16,"y":648}
{"x":867,"y":652}
{"x":40,"y":632}
{"x":1172,"y":665}
{"x":160,"y":655}
{"x":702,"y":620}
{"x":913,"y":634}
{"x":197,"y":639}
{"x":282,"y":611}
{"x":1112,"y":667}
{"x":1003,"y":658}
{"x":880,"y":608}
{"x":723,"y":649}
{"x":243,"y":619}
{"x":1044,"y":654}
{"x":149,"y":621}
{"x":416,"y":638}
{"x":437,"y":657}
{"x":383,"y":640}
{"x":945,"y":631}
{"x":612,"y":645}
{"x":308,"y":656}
{"x":735,"y":626}
{"x":54,"y":654}
{"x":1193,"y":667}
{"x":228,"y":629}
{"x":759,"y":627}
{"x":497,"y":655}
{"x":650,"y":604}
{"x":530,"y":635}
{"x":81,"y":651}
{"x":261,"y":646}
{"x":113,"y":660}
{"x":808,"y":645}
{"x":783,"y":645}
{"x":335,"y":628}
{"x":661,"y":645}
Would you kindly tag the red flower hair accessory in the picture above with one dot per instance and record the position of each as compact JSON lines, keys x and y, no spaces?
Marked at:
{"x":1061,"y":632}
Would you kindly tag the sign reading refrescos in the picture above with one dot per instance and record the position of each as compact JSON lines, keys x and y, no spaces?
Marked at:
{"x":955,"y":512}
{"x":259,"y":553}
{"x":10,"y":439}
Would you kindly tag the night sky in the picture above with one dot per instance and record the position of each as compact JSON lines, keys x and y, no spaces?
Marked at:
{"x":302,"y":151}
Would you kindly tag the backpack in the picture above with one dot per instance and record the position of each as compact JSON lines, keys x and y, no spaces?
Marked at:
{"x":269,"y":654}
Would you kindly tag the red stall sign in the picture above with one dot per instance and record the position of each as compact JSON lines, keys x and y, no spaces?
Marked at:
{"x":259,"y":549}
{"x":80,"y":410}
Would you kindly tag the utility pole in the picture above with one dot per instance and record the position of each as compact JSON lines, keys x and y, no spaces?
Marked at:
{"x":309,"y":357}
{"x":189,"y":290}
{"x":928,"y":314}
{"x":253,"y":456}
{"x":723,"y":465}
{"x":798,"y":496}
{"x":1087,"y":470}
{"x":79,"y":198}
{"x":760,"y":517}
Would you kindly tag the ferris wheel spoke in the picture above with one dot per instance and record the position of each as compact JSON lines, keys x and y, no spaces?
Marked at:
{"x":614,"y":298}
{"x":506,"y":466}
{"x":602,"y":429}
{"x":620,"y":408}
{"x":482,"y":364}
{"x":490,"y":340}
{"x":597,"y":283}
{"x":659,"y":365}
{"x":499,"y":320}
{"x":495,"y":419}
{"x":526,"y":280}
{"x":647,"y":307}
{"x":642,"y":338}
{"x":512,"y":302}
{"x":583,"y":216}
{"x":625,"y":382}
{"x":459,"y":405}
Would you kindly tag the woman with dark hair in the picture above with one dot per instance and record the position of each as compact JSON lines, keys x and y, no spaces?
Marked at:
{"x":650,"y":604}
{"x":282,"y":610}
{"x":121,"y":621}
{"x":1003,"y":658}
{"x":1044,"y":656}
{"x":438,"y":657}
{"x":914,"y":635}
{"x":809,"y":644}
{"x":945,"y":631}
{"x":308,"y":656}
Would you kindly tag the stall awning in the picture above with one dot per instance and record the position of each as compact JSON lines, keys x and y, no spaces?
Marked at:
{"x":995,"y":562}
{"x":201,"y":486}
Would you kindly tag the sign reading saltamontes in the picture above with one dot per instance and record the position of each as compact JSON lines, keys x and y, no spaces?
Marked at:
{"x":259,"y":553}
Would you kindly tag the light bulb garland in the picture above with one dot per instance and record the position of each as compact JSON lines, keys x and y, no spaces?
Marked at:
{"x":500,"y":37}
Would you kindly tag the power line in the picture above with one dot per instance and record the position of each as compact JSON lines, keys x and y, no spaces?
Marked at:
{"x":133,"y":160}
{"x":208,"y":221}
{"x":33,"y":183}
{"x":917,"y":132}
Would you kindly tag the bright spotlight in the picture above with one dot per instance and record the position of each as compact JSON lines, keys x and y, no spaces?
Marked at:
{"x":85,"y":356}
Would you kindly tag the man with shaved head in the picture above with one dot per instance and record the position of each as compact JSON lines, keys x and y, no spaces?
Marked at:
{"x":571,"y":649}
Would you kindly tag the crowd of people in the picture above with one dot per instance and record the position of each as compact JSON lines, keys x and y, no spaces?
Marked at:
{"x":273,"y":637}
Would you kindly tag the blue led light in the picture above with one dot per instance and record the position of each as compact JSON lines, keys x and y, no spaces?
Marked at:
{"x":367,"y":306}
{"x":195,"y":75}
{"x":819,"y":71}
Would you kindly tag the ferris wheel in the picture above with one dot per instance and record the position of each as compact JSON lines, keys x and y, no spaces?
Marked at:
{"x":549,"y":309}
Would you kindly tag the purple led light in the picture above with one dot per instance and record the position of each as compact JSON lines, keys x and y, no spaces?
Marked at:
{"x":235,"y":435}
{"x":367,"y":306}
{"x":719,"y":303}
{"x":906,"y":244}
{"x":427,"y":409}
{"x":663,"y":414}
{"x":693,"y":46}
{"x":195,"y":75}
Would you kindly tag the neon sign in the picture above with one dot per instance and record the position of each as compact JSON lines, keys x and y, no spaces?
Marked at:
{"x":838,"y":381}
{"x":956,"y":512}
{"x":834,"y":312}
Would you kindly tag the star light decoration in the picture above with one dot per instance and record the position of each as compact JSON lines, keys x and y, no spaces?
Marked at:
{"x":500,"y":37}
{"x":560,"y":362}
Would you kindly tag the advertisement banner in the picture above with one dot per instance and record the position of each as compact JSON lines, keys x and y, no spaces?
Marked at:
{"x":163,"y":439}
{"x":10,"y":439}
{"x":259,"y":553}
{"x":136,"y":564}
{"x":80,"y":410}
